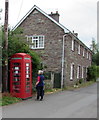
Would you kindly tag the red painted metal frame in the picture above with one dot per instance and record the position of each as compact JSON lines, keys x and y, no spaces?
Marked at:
{"x":23,"y":87}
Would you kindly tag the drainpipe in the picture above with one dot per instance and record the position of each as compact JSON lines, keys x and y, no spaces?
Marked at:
{"x":62,"y":75}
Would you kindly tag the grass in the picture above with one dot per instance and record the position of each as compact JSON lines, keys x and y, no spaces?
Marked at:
{"x":48,"y":91}
{"x":84,"y":84}
{"x":7,"y":99}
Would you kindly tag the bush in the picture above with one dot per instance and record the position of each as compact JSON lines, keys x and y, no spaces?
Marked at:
{"x":80,"y":81}
{"x":97,"y":71}
{"x":92,"y":73}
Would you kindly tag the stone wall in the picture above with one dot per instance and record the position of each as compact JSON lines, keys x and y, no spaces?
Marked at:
{"x":75,"y":58}
{"x":38,"y":24}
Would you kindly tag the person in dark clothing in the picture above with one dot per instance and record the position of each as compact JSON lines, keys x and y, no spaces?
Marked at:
{"x":40,"y":85}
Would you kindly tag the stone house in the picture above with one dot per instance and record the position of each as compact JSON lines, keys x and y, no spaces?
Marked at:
{"x":60,"y":49}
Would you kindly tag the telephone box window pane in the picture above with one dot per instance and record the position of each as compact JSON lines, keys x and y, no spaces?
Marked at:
{"x":27,"y":79}
{"x":16,"y":83}
{"x":27,"y":72}
{"x":16,"y":72}
{"x":27,"y":83}
{"x":27,"y":86}
{"x":28,"y":91}
{"x":27,"y":64}
{"x":16,"y":68}
{"x":16,"y":75}
{"x":16,"y":79}
{"x":17,"y":91}
{"x":27,"y":76}
{"x":27,"y":68}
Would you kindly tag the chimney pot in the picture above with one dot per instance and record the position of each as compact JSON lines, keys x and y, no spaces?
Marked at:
{"x":56,"y":12}
{"x":55,"y":16}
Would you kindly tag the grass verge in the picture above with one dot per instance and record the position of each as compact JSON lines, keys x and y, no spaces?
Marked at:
{"x":84,"y":84}
{"x":7,"y":99}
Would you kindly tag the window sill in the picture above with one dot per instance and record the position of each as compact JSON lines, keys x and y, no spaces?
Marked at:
{"x":36,"y":48}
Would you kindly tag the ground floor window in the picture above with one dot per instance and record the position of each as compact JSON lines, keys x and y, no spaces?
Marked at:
{"x":72,"y":71}
{"x":78,"y":71}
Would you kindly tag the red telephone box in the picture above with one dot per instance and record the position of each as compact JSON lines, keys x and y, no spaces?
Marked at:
{"x":21,"y":75}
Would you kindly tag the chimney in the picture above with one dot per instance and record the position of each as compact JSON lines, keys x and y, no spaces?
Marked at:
{"x":55,"y":16}
{"x":76,"y":34}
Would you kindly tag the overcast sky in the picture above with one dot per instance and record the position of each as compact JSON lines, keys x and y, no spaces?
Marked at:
{"x":77,"y":15}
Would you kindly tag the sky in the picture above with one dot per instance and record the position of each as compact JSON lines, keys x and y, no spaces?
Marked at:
{"x":77,"y":15}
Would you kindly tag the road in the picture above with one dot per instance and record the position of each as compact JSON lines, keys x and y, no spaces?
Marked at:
{"x":79,"y":103}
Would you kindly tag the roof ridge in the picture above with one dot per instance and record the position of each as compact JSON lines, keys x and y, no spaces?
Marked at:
{"x":21,"y":20}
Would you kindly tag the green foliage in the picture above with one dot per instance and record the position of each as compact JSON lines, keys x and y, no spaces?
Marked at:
{"x":95,"y":58}
{"x":81,"y":81}
{"x":18,"y":44}
{"x":94,"y":46}
{"x":97,"y":71}
{"x":6,"y":100}
{"x":47,"y":75}
{"x":93,"y":73}
{"x":0,"y":45}
{"x":35,"y":60}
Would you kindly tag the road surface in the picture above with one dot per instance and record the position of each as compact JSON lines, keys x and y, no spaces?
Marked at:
{"x":79,"y":103}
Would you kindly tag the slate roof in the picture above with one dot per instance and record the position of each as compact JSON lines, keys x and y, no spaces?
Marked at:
{"x":37,"y":8}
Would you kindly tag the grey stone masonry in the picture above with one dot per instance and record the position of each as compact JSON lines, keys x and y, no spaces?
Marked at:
{"x":75,"y":64}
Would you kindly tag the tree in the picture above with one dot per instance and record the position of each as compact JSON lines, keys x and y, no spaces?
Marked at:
{"x":95,"y":59}
{"x":93,"y":46}
{"x":95,"y":49}
{"x":17,"y":44}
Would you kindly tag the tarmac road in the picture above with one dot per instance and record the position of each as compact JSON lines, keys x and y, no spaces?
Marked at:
{"x":80,"y":103}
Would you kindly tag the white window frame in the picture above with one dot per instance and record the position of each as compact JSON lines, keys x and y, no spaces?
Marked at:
{"x":83,"y":52}
{"x":71,"y":71}
{"x":79,"y":49}
{"x":87,"y":54}
{"x":78,"y":71}
{"x":72,"y":44}
{"x":35,"y":39}
{"x":82,"y":72}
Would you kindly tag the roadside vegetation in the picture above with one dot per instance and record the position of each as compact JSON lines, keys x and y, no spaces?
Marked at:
{"x":93,"y":71}
{"x":7,"y":99}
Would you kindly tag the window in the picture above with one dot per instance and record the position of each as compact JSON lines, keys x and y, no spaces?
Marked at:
{"x":83,"y":52}
{"x":36,"y":42}
{"x":87,"y":54}
{"x":78,"y":72}
{"x":73,"y":45}
{"x":79,"y":49}
{"x":82,"y":72}
{"x":72,"y":71}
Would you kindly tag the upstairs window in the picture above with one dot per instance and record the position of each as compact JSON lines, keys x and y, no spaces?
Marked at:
{"x":87,"y":54}
{"x":72,"y":72}
{"x":83,"y":52}
{"x":36,"y":42}
{"x":72,"y":45}
{"x":79,"y":49}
